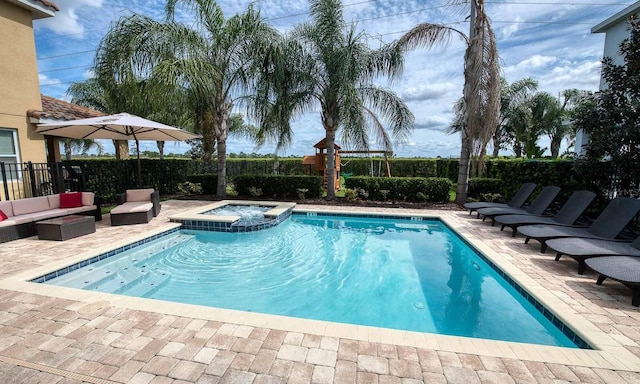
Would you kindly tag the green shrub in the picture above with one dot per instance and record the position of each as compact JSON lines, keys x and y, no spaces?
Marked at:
{"x":402,"y":188}
{"x":484,"y":185}
{"x":208,"y":182}
{"x":278,"y":186}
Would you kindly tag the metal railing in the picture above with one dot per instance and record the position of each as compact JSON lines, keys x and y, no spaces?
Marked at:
{"x":23,"y":180}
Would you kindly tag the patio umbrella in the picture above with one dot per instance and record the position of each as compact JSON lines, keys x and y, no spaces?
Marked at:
{"x":121,"y":126}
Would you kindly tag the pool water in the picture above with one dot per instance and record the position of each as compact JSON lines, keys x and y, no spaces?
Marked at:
{"x":400,"y":274}
{"x":249,"y":214}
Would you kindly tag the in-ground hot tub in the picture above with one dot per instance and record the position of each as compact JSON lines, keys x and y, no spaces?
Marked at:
{"x":236,"y":216}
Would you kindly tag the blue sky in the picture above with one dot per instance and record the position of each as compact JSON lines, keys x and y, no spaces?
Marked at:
{"x":548,"y":40}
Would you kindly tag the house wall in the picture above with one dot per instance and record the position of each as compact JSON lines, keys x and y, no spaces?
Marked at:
{"x":20,"y":87}
{"x":613,"y":37}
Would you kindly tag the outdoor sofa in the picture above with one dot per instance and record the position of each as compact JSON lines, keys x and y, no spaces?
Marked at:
{"x":23,"y":214}
{"x":136,"y":206}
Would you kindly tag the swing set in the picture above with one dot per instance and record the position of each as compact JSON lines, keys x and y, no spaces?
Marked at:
{"x":317,"y":164}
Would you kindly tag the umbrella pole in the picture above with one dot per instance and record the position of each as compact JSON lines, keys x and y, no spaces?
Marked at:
{"x":139,"y":167}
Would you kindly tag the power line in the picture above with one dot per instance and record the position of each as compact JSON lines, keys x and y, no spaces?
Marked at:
{"x":65,"y":54}
{"x":66,"y":69}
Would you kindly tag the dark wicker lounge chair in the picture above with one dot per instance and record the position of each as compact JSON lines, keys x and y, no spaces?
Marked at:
{"x":607,"y":226}
{"x":582,"y":249}
{"x":566,"y":216}
{"x":625,"y":269}
{"x":538,"y":206}
{"x":516,"y":202}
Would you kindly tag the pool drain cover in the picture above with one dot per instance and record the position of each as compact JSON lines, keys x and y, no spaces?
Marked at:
{"x":93,"y":307}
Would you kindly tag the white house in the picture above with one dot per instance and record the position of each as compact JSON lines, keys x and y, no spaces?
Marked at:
{"x":615,"y":29}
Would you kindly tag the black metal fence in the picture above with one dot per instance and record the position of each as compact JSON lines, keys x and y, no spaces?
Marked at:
{"x":22,"y":180}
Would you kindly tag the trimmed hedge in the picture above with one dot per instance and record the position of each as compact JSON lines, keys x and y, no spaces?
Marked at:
{"x":402,"y":188}
{"x":278,"y":186}
{"x":109,"y":176}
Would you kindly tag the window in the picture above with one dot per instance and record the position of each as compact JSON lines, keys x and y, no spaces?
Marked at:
{"x":9,"y":151}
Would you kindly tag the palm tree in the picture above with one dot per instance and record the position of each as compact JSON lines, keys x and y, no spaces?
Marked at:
{"x":567,"y":102}
{"x":328,"y":65}
{"x":210,"y":57}
{"x":512,"y":96}
{"x":80,"y":145}
{"x":481,"y":92}
{"x":146,"y":98}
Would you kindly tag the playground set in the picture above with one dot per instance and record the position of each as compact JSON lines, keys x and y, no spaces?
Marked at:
{"x":317,"y":164}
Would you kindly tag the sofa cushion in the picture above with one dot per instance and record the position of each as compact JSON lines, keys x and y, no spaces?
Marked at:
{"x":71,"y":200}
{"x":139,"y":194}
{"x":84,"y":208}
{"x":87,"y":198}
{"x":54,"y":201}
{"x":132,"y":207}
{"x":3,"y":216}
{"x":6,"y":207}
{"x":43,"y":215}
{"x":30,"y":205}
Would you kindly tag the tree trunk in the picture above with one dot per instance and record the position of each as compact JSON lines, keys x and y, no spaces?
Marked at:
{"x":555,"y":146}
{"x":208,"y":137}
{"x":67,"y":149}
{"x":330,"y":169}
{"x":496,"y":146}
{"x":463,"y":170}
{"x":221,"y":131}
{"x":160,"y":145}
{"x":221,"y":188}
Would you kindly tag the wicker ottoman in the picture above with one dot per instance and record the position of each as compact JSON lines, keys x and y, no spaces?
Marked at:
{"x":64,"y":228}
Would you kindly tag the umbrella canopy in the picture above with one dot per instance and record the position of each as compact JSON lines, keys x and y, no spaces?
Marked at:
{"x":121,"y":126}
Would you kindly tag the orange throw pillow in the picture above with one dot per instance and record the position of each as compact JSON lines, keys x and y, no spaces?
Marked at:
{"x":71,"y":200}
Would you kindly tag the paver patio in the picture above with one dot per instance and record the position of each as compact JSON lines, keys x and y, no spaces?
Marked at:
{"x":59,"y":335}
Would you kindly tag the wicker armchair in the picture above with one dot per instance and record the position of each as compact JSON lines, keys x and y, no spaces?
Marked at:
{"x":136,"y":206}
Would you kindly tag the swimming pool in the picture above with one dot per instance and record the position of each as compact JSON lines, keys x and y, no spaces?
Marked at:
{"x":403,"y":274}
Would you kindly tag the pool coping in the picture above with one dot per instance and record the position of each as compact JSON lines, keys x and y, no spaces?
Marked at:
{"x":608,"y":352}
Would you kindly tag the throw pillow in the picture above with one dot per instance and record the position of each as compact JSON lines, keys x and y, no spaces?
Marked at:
{"x":71,"y":200}
{"x":3,"y":216}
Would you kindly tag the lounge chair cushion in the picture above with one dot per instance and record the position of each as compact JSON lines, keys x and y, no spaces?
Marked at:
{"x":33,"y":204}
{"x":132,"y":207}
{"x":139,"y":194}
{"x":70,"y":200}
{"x":5,"y":206}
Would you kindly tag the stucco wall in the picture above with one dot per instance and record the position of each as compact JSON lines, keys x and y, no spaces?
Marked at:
{"x":20,"y":88}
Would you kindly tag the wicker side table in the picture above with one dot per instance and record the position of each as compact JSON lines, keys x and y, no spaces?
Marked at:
{"x":64,"y":228}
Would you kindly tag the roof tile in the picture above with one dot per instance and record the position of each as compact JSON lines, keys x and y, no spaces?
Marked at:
{"x":57,"y":109}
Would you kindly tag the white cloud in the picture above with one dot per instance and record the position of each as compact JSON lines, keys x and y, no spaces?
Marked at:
{"x":67,"y":21}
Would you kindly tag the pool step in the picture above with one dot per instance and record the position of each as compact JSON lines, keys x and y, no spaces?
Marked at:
{"x":85,"y":277}
{"x":152,"y":281}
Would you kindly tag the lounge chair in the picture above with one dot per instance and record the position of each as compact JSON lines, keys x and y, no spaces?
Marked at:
{"x":516,"y":202}
{"x":537,"y":207}
{"x":625,"y":269}
{"x":607,"y":226}
{"x":566,"y":216}
{"x":581,"y":249}
{"x":136,"y":206}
